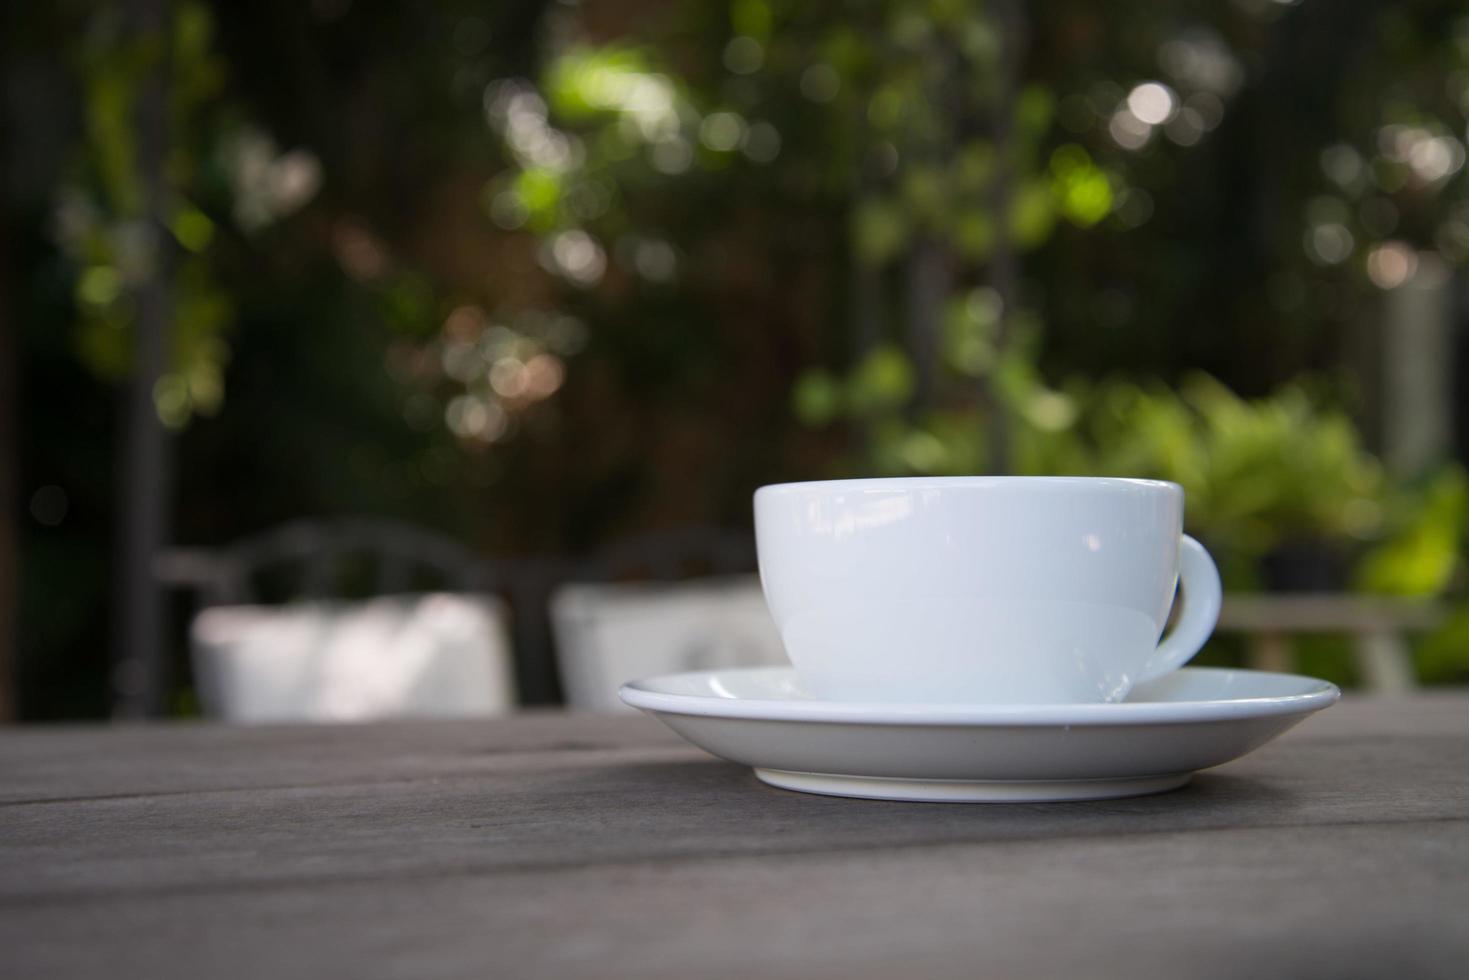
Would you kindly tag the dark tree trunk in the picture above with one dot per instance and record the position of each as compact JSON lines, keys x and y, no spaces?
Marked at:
{"x":868,"y":297}
{"x":867,"y":308}
{"x":1004,"y":273}
{"x":866,"y":317}
{"x":10,"y":507}
{"x":140,"y":661}
{"x":930,"y":279}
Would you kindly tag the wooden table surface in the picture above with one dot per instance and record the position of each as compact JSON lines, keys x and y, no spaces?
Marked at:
{"x":565,"y":846}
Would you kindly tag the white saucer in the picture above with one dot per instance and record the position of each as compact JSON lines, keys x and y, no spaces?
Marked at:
{"x":1192,"y":719}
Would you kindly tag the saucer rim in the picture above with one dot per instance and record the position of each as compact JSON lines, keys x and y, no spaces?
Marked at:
{"x":638,"y":695}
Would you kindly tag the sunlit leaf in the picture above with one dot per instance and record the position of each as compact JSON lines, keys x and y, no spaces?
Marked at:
{"x":192,"y":229}
{"x":1086,"y":197}
{"x":1422,"y":557}
{"x":882,"y":382}
{"x":539,"y":192}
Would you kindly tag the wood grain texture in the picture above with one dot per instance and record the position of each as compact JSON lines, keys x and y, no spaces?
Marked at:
{"x":564,"y":845}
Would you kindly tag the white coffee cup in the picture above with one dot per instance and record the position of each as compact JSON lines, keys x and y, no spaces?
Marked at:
{"x":986,"y":590}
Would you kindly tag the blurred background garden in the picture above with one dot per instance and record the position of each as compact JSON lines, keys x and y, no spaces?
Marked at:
{"x":540,"y":277}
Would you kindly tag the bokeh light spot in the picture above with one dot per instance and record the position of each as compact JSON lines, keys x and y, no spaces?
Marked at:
{"x":1329,"y":243}
{"x":722,"y":131}
{"x":1391,"y":264}
{"x":761,"y":143}
{"x":1128,"y":131}
{"x":743,"y":55}
{"x":577,"y":256}
{"x":543,"y":375}
{"x":1152,"y":102}
{"x":820,"y":82}
{"x":655,"y":260}
{"x":671,"y":156}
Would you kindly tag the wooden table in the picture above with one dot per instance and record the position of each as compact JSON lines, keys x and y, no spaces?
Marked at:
{"x":564,"y":846}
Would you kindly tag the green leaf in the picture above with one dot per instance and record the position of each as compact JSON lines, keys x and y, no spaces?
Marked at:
{"x":976,"y":166}
{"x":882,"y":382}
{"x":192,"y":229}
{"x":1033,"y":111}
{"x":585,"y":81}
{"x":817,"y":398}
{"x":926,"y":192}
{"x":539,"y":192}
{"x":923,"y":452}
{"x":1086,"y":197}
{"x":974,"y":235}
{"x":408,"y":304}
{"x":979,"y":41}
{"x":99,"y":286}
{"x":1032,"y":214}
{"x":752,"y":18}
{"x":880,"y":230}
{"x":970,"y":324}
{"x":1421,"y":559}
{"x":1083,"y":191}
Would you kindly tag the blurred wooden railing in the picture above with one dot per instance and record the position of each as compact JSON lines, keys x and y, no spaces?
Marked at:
{"x":1378,"y":627}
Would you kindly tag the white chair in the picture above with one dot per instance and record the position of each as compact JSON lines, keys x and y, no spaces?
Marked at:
{"x":608,"y":634}
{"x":439,"y":655}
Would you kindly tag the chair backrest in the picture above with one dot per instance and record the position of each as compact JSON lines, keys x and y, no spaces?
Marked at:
{"x":429,"y":656}
{"x":317,"y":560}
{"x":609,"y":634}
{"x":327,"y":559}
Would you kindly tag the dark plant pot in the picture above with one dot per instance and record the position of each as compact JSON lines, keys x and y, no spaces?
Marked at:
{"x":1305,"y":565}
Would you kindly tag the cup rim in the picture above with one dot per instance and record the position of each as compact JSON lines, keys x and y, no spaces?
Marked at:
{"x":902,"y":483}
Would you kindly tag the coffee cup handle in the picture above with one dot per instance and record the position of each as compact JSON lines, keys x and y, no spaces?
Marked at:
{"x":1202,"y":594}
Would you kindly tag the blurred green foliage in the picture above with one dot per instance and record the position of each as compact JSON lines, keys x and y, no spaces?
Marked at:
{"x":213,"y":164}
{"x":1425,"y":546}
{"x":1255,"y":472}
{"x":925,"y":138}
{"x":540,"y":275}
